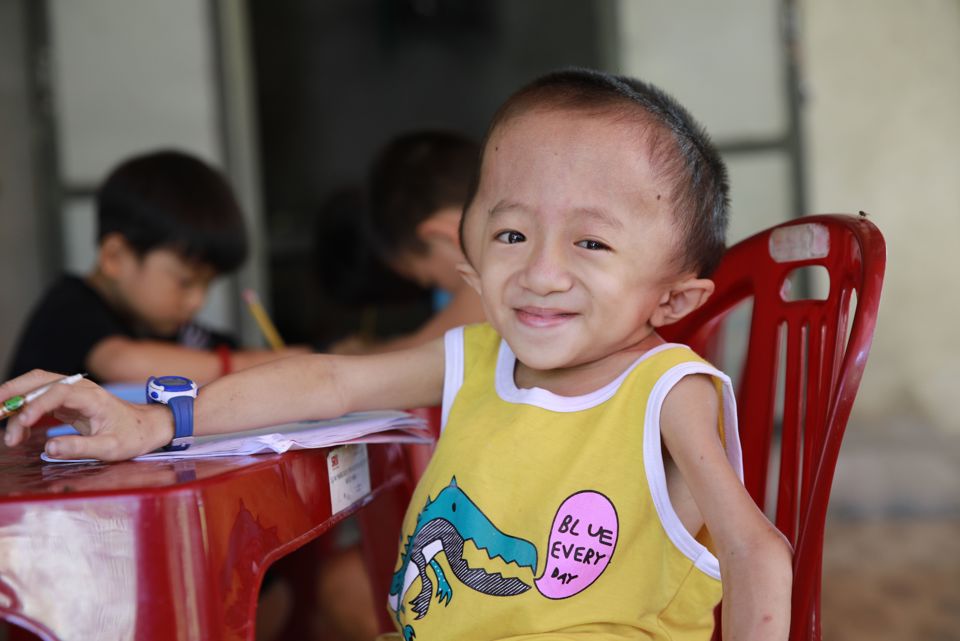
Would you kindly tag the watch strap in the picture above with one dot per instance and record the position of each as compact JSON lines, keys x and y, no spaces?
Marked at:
{"x":182,"y":408}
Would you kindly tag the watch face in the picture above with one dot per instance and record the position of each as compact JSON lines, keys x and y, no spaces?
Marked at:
{"x":174,"y":383}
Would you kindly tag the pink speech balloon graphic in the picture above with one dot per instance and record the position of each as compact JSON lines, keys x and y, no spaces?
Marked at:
{"x":582,"y":540}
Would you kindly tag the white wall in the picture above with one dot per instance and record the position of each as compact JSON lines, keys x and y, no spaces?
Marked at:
{"x":884,"y":134}
{"x":130,"y":75}
{"x":20,"y":236}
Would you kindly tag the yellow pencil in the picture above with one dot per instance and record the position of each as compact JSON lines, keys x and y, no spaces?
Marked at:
{"x":263,"y":320}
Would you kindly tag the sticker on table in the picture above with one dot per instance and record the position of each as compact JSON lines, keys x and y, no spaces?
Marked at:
{"x":349,"y":471}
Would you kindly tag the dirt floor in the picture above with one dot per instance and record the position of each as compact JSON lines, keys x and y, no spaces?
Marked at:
{"x":892,"y":542}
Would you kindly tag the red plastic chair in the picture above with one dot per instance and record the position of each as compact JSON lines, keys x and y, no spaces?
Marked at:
{"x":803,"y":348}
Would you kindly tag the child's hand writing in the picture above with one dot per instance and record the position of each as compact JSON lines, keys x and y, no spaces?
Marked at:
{"x":111,"y":429}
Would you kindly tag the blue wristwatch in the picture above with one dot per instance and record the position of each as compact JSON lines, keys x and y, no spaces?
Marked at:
{"x":177,"y":393}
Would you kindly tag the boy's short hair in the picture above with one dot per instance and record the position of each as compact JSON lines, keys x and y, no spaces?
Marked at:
{"x":173,"y":200}
{"x":414,"y":176}
{"x":686,"y":157}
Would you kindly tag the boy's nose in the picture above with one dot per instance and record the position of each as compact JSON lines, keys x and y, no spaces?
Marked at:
{"x":546,"y":271}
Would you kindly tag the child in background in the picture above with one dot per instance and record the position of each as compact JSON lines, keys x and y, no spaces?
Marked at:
{"x":587,"y":480}
{"x":418,"y":186}
{"x":168,"y":224}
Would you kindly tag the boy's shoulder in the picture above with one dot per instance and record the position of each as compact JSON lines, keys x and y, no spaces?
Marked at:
{"x":476,"y":338}
{"x":482,"y":331}
{"x":68,"y":289}
{"x":69,"y":298}
{"x":67,"y":322}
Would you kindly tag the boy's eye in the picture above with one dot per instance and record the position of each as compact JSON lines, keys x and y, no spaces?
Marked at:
{"x":510,"y":237}
{"x":594,"y":245}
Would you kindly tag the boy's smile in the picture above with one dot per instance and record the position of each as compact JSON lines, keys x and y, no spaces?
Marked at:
{"x":572,"y":246}
{"x":541,"y":317}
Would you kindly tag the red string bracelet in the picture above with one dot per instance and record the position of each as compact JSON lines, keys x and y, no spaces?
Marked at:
{"x":226,"y":359}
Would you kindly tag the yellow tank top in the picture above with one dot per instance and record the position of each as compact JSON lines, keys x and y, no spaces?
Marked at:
{"x":547,"y":517}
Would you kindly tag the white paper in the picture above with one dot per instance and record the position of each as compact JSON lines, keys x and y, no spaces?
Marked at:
{"x":360,"y":427}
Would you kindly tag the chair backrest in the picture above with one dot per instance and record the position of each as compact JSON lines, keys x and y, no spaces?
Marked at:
{"x":803,"y":363}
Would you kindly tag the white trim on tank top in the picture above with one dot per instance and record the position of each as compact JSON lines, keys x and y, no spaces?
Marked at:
{"x":702,"y":558}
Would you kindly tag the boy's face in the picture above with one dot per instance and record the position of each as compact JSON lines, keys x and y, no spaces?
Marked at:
{"x":437,"y":266}
{"x":161,"y":290}
{"x":570,"y":239}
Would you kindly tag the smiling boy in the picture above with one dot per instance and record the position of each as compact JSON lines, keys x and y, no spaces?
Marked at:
{"x":572,"y":431}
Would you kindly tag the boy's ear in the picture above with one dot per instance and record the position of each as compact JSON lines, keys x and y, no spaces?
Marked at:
{"x":443,"y":224}
{"x":681,"y":299}
{"x":113,"y":255}
{"x":469,"y":275}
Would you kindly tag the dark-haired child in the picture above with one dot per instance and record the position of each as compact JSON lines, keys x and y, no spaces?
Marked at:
{"x":587,"y":481}
{"x":167,"y":225}
{"x":418,"y":186}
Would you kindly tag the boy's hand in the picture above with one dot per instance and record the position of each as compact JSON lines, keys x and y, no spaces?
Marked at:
{"x":111,"y":429}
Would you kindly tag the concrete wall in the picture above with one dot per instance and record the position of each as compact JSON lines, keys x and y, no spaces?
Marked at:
{"x":20,"y":250}
{"x":884,"y":133}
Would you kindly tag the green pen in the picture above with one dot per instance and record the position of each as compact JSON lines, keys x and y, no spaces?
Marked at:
{"x":16,"y":403}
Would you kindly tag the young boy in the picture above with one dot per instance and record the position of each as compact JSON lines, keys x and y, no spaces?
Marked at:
{"x":168,"y":223}
{"x":586,"y":483}
{"x":418,"y":186}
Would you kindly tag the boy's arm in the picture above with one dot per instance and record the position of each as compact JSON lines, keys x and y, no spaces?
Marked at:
{"x":300,"y":387}
{"x":755,"y":559}
{"x":120,"y":359}
{"x":322,"y":386}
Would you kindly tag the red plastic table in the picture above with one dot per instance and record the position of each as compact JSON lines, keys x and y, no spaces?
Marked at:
{"x":171,"y":550}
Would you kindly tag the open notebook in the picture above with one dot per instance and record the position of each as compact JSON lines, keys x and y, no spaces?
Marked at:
{"x":361,"y":427}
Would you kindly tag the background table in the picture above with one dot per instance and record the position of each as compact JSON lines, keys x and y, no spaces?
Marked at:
{"x":171,"y":550}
